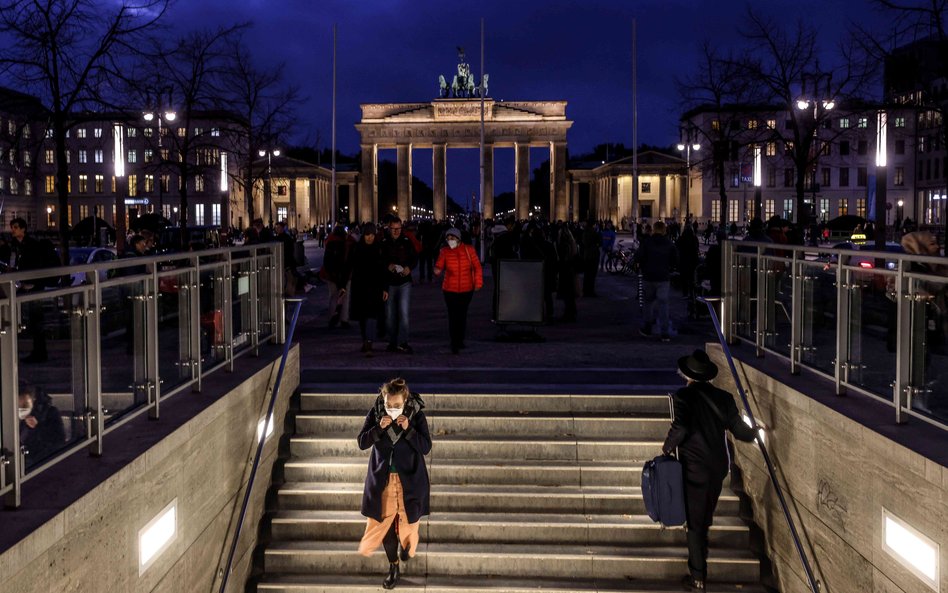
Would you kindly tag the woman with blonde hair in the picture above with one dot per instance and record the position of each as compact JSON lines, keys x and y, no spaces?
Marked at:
{"x":397,"y":489}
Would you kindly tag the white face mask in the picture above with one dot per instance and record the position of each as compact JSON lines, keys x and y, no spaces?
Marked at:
{"x":24,"y":413}
{"x":394,"y":412}
{"x":452,"y":243}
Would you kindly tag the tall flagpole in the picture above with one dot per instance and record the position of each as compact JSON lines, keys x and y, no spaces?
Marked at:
{"x":635,"y":134}
{"x":483,"y":232}
{"x":335,"y":194}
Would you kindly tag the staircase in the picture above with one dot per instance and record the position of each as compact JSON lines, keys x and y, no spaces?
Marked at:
{"x":529,"y":492}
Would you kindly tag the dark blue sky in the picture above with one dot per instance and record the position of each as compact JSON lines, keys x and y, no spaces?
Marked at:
{"x":580,"y":51}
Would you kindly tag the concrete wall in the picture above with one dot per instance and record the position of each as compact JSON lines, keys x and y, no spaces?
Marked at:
{"x":92,"y":546}
{"x":838,"y":475}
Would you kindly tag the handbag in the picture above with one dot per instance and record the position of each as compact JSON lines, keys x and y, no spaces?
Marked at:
{"x":470,"y":262}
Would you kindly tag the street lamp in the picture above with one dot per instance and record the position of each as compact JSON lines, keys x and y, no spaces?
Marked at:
{"x":160,"y":114}
{"x":821,"y":101}
{"x":268,"y":205}
{"x":687,"y":144}
{"x":49,"y":216}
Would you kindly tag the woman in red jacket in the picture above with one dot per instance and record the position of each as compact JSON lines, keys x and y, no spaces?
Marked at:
{"x":462,"y":276}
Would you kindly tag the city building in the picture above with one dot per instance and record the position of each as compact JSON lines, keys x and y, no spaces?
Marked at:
{"x":21,"y":117}
{"x":300,"y":192}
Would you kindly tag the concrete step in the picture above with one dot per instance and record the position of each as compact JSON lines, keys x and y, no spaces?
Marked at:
{"x":330,"y":583}
{"x":490,"y":498}
{"x":481,"y":402}
{"x":535,"y":424}
{"x":562,"y":528}
{"x":477,"y":471}
{"x":551,"y":561}
{"x":493,"y":446}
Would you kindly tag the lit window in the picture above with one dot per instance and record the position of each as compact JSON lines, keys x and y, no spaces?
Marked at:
{"x":149,"y":183}
{"x":27,"y":159}
{"x":216,"y":215}
{"x":147,"y":132}
{"x":716,"y":125}
{"x":770,"y":149}
{"x":843,"y":123}
{"x":899,"y":122}
{"x":50,"y":184}
{"x":899,"y":177}
{"x":49,"y":134}
{"x":752,"y":124}
{"x":97,"y":132}
{"x":862,"y":122}
{"x":198,"y":131}
{"x":26,"y":131}
{"x":80,"y":132}
{"x":215,"y":132}
{"x":83,"y":157}
{"x":199,"y":214}
{"x":50,"y":156}
{"x":27,"y":187}
{"x":131,"y":132}
{"x":772,"y":124}
{"x":281,"y":213}
{"x":149,"y":155}
{"x":83,"y":183}
{"x":132,"y":186}
{"x":165,"y":183}
{"x":198,"y":183}
{"x":99,"y":184}
{"x":99,"y":155}
{"x":132,"y":156}
{"x":182,"y":132}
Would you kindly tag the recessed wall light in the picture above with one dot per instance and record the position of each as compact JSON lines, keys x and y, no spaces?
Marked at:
{"x":911,"y":548}
{"x":155,"y":537}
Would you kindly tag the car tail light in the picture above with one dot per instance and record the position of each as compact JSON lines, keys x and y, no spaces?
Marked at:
{"x":866,"y":265}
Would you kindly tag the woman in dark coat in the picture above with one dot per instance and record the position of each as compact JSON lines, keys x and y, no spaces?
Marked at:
{"x":41,"y":425}
{"x":703,"y":413}
{"x":568,"y":257}
{"x":368,"y":288}
{"x":397,"y":490}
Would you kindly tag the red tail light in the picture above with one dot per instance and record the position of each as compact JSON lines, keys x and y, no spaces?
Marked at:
{"x":867,"y":265}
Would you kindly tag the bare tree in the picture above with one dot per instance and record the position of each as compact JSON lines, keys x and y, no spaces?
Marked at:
{"x":780,"y":61}
{"x":60,"y":49}
{"x":721,"y":90}
{"x":266,"y":109}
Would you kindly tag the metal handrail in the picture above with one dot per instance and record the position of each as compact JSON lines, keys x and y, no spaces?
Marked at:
{"x":811,"y":579}
{"x":261,"y":441}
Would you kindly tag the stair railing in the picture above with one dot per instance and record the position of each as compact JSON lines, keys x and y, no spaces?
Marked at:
{"x":261,"y":441}
{"x":807,"y":569}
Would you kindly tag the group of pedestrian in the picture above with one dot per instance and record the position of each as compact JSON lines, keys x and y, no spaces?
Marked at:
{"x":370,"y":277}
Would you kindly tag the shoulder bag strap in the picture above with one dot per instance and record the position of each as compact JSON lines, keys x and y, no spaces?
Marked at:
{"x":714,"y":408}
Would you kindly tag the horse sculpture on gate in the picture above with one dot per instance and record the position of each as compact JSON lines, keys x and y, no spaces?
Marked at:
{"x":462,"y":85}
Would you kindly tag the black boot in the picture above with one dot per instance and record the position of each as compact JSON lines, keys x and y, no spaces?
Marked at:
{"x":392,"y":579}
{"x":403,"y":553}
{"x":692,"y":584}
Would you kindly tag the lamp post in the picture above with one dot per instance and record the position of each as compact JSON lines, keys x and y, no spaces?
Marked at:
{"x":820,"y":102}
{"x":49,"y":216}
{"x":159,"y":115}
{"x":688,"y":143}
{"x":267,"y":198}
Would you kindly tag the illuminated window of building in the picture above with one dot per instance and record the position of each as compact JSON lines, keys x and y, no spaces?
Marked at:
{"x":149,"y":155}
{"x":165,"y":183}
{"x":769,"y":209}
{"x":716,"y":125}
{"x":50,"y":156}
{"x":215,"y":132}
{"x":50,"y":184}
{"x":199,"y":214}
{"x":281,"y":213}
{"x":198,"y":131}
{"x":83,"y":183}
{"x":132,"y":186}
{"x":27,"y":159}
{"x":26,"y":132}
{"x":862,"y":122}
{"x":149,"y":183}
{"x":843,"y":123}
{"x":83,"y":211}
{"x":788,"y":148}
{"x":164,"y":154}
{"x":752,"y":124}
{"x":772,"y":124}
{"x":83,"y":157}
{"x":770,"y":149}
{"x":788,"y":208}
{"x":132,"y":156}
{"x":734,"y":210}
{"x":113,"y":184}
{"x":715,"y":209}
{"x":99,"y":183}
{"x":99,"y":155}
{"x":824,"y":208}
{"x":97,"y":132}
{"x":27,"y":187}
{"x":861,"y":207}
{"x":182,"y":132}
{"x":147,"y":132}
{"x":131,"y":132}
{"x":216,"y":214}
{"x":646,"y":187}
{"x":899,"y":122}
{"x":898,"y":178}
{"x":80,"y":132}
{"x":198,"y":183}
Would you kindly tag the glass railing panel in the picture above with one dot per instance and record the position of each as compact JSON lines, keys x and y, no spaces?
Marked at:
{"x":241,"y":305}
{"x":818,"y":338}
{"x":211,"y":298}
{"x":928,"y":380}
{"x":174,"y":330}
{"x":52,"y":396}
{"x":746,"y":295}
{"x":123,"y":347}
{"x":777,"y":293}
{"x":265,"y":290}
{"x":872,"y":332}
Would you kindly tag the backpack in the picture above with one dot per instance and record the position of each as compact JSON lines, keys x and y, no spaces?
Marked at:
{"x":664,"y":491}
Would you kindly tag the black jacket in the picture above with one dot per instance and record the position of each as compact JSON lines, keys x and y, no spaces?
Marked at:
{"x":405,"y":450}
{"x":49,"y":435}
{"x":401,"y":252}
{"x":657,"y":257}
{"x":699,"y":432}
{"x":368,"y":281}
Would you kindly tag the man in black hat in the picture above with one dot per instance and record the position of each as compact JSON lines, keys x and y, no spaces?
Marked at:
{"x":703,"y":413}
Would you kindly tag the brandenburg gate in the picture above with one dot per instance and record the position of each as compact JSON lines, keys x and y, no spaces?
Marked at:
{"x":455,"y":123}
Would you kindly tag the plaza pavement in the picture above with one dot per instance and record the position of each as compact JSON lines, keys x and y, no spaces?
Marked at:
{"x":602,"y":347}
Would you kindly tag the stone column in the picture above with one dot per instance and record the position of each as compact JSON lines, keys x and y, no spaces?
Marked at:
{"x":403,"y":175}
{"x":353,"y":202}
{"x":662,"y":196}
{"x":522,"y":176}
{"x":292,"y":210}
{"x":311,"y":199}
{"x":488,"y":181}
{"x":558,"y":174}
{"x":439,"y":180}
{"x":368,"y":196}
{"x":573,"y":208}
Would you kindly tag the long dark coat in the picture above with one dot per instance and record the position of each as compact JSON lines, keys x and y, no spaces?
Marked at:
{"x":368,"y":281}
{"x":407,"y":455}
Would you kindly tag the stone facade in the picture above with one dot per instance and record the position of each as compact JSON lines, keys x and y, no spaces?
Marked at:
{"x":838,"y":475}
{"x":93,"y":544}
{"x":455,"y":123}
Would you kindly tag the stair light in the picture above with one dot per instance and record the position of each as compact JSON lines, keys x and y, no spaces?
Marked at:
{"x":911,"y":548}
{"x":155,"y":537}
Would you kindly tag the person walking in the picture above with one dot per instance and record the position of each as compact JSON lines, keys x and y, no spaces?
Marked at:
{"x":336,"y":274}
{"x":703,"y":413}
{"x":657,"y":257}
{"x":462,"y":276}
{"x":30,"y":254}
{"x":367,"y":285}
{"x":689,"y":256}
{"x":592,"y":241}
{"x":567,"y":254}
{"x":397,"y":489}
{"x":400,"y":258}
{"x":608,"y":243}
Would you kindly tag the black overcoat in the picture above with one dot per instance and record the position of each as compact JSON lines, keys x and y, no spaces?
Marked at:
{"x":368,"y":281}
{"x":407,"y":455}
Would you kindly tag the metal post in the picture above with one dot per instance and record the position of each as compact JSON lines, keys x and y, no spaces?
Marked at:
{"x":480,"y":92}
{"x":904,"y":347}
{"x":842,"y":327}
{"x":279,"y":313}
{"x":762,"y":303}
{"x":796,"y":314}
{"x":255,"y":302}
{"x":729,"y":304}
{"x":227,"y":285}
{"x":92,"y":314}
{"x":194,"y":281}
{"x":152,"y":372}
{"x":10,"y":459}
